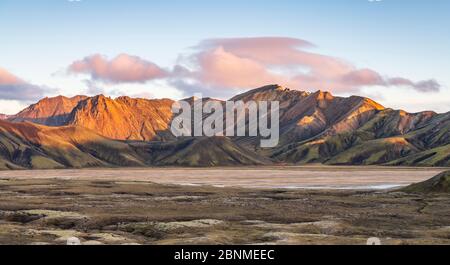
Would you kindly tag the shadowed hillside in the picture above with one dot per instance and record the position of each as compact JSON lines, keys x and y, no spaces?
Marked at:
{"x":204,"y":151}
{"x":440,"y":183}
{"x":28,"y":145}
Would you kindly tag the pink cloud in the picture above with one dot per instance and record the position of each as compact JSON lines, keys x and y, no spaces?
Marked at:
{"x":122,"y":69}
{"x":6,"y":78}
{"x":242,"y":63}
{"x":225,"y":69}
{"x":14,"y":88}
{"x":362,"y":77}
{"x":268,"y":50}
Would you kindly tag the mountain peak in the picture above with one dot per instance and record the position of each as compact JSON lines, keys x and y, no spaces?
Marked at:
{"x":125,"y":98}
{"x":270,"y":93}
{"x":50,"y":111}
{"x":61,"y":98}
{"x":270,"y":88}
{"x":373,"y":103}
{"x":323,"y":95}
{"x":123,"y":118}
{"x":100,"y":97}
{"x":190,"y":99}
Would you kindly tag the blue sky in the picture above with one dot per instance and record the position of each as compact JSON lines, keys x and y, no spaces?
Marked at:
{"x":397,"y":38}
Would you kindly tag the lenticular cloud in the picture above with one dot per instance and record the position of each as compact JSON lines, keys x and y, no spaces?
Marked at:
{"x":249,"y":62}
{"x":242,"y":63}
{"x":122,"y":69}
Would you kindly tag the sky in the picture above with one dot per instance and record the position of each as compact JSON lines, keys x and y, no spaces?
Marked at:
{"x":393,"y":51}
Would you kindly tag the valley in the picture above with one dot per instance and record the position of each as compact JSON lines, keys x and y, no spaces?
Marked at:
{"x":109,"y":171}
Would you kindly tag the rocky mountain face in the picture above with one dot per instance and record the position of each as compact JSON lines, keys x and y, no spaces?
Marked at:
{"x":307,"y":115}
{"x":314,"y":128}
{"x":124,"y":118}
{"x":48,"y":111}
{"x":3,"y":116}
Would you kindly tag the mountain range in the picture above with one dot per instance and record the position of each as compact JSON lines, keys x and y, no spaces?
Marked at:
{"x":318,"y":127}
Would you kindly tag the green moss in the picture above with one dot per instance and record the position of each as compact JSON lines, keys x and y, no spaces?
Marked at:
{"x":439,"y":156}
{"x":40,"y":162}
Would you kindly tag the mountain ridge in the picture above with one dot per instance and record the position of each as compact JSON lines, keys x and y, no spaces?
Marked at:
{"x":48,"y":111}
{"x":315,"y":127}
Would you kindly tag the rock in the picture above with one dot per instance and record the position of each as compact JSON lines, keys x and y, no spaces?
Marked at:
{"x":73,"y":241}
{"x":92,"y":243}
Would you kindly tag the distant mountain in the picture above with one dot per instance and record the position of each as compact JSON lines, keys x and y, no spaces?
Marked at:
{"x":314,"y":128}
{"x":48,"y":111}
{"x":124,"y":118}
{"x":306,"y":115}
{"x":3,"y":116}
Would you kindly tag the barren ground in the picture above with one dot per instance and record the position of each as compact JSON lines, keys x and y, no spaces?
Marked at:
{"x":35,"y":210}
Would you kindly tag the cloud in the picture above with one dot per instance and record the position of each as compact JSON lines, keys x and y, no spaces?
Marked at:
{"x":242,"y":63}
{"x":219,"y":67}
{"x":14,"y":88}
{"x":122,"y":69}
{"x":422,"y":86}
{"x":93,"y":88}
{"x":6,"y":78}
{"x":190,"y":87}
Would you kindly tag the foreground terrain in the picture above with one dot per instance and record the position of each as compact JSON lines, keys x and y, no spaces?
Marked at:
{"x":48,"y":211}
